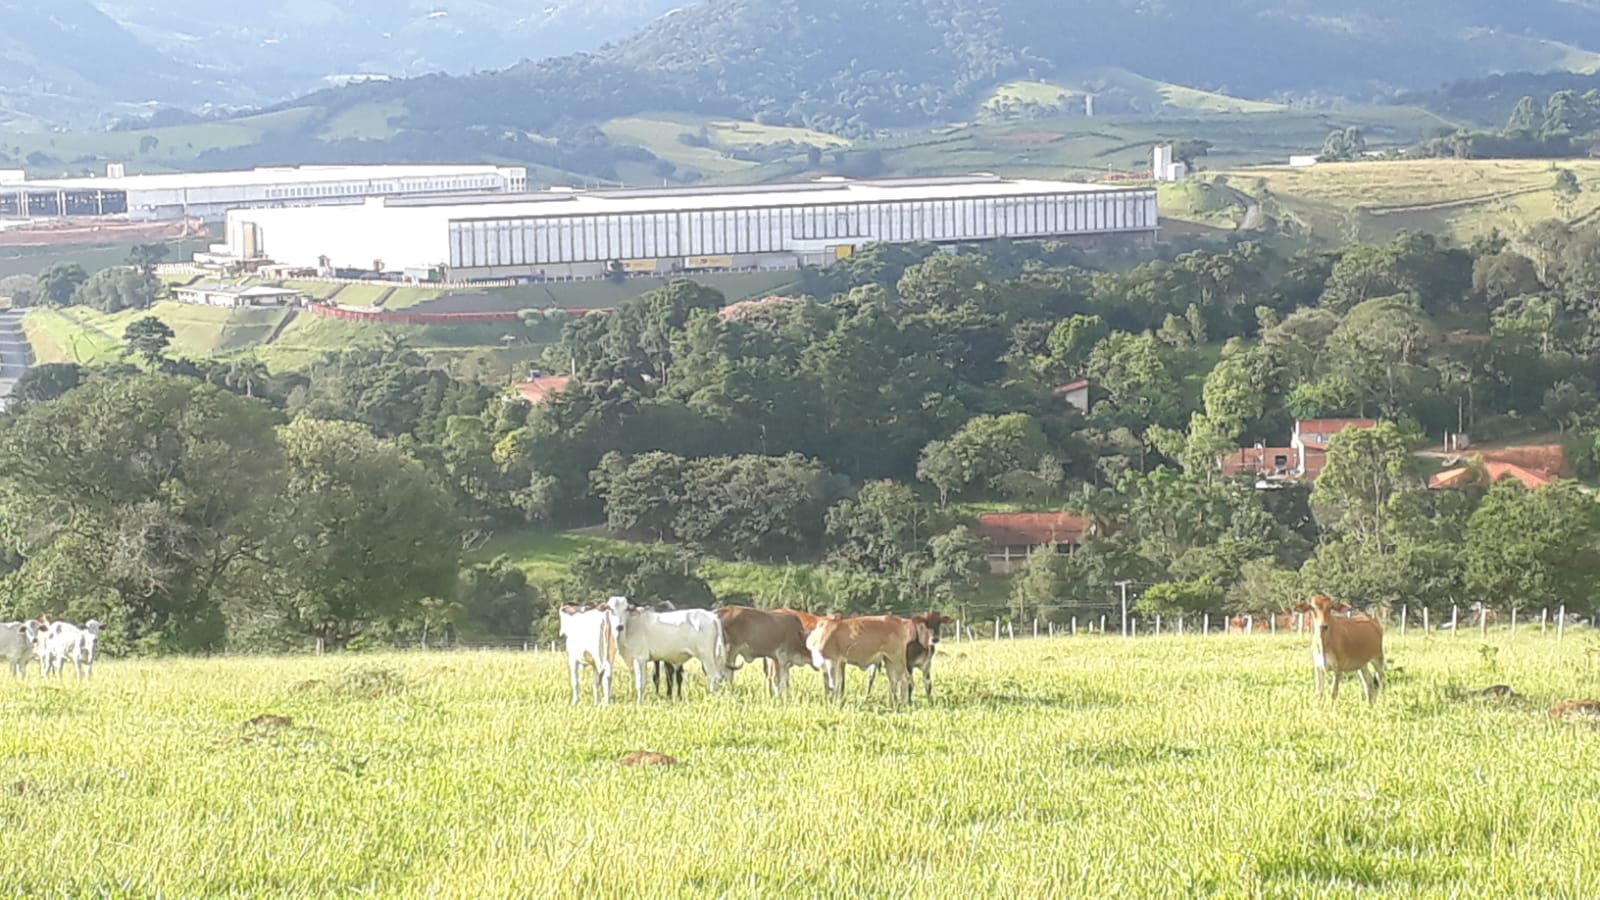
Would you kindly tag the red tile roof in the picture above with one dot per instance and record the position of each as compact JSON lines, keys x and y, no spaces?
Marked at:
{"x":1031,"y":529}
{"x":538,"y":389}
{"x":1494,"y":471}
{"x":1331,"y":426}
{"x":1071,"y":386}
{"x":1546,"y":458}
{"x":1260,"y":460}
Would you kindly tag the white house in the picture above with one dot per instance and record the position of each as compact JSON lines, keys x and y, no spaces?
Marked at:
{"x":232,"y":295}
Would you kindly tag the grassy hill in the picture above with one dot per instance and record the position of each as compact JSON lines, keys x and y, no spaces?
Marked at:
{"x":1372,"y":201}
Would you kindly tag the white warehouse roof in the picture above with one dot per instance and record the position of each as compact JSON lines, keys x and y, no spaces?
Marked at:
{"x":574,"y":202}
{"x":263,"y":176}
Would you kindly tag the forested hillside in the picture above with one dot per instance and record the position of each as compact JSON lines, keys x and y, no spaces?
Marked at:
{"x":852,"y":427}
{"x":844,"y":68}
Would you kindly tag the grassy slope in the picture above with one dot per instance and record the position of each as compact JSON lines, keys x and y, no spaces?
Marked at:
{"x":658,"y":133}
{"x":197,"y":330}
{"x":1068,"y":767}
{"x":1152,"y":94}
{"x":1375,"y":200}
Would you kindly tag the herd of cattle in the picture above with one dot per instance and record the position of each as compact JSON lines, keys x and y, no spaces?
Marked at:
{"x":1343,"y":642}
{"x":720,"y":639}
{"x":53,"y":641}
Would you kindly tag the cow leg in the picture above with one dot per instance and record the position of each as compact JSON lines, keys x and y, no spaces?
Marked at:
{"x":603,"y":678}
{"x":655,"y":677}
{"x":872,"y":677}
{"x":1337,"y":677}
{"x":638,"y":679}
{"x":573,"y":668}
{"x":1320,"y":677}
{"x":927,"y":681}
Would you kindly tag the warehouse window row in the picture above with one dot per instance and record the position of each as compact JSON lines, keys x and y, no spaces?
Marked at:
{"x":659,"y":235}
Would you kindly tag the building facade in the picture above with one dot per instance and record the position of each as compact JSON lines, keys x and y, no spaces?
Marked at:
{"x":210,"y":195}
{"x":563,"y":233}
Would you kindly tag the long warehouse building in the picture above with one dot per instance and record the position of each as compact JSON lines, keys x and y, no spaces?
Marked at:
{"x":568,"y":233}
{"x":210,"y":195}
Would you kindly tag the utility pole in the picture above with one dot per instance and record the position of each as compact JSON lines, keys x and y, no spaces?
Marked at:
{"x":1124,"y":586}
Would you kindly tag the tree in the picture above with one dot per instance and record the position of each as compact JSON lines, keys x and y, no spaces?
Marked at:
{"x":116,"y":289}
{"x":644,"y":575}
{"x":957,"y":560}
{"x":46,"y":382}
{"x":1343,"y":146}
{"x":1365,"y":469}
{"x":1498,"y":277}
{"x":983,"y":451}
{"x":494,"y":599}
{"x":1175,"y":598}
{"x":1133,"y":373}
{"x":1524,"y":118}
{"x":1535,"y":548}
{"x":880,"y":528}
{"x":1380,"y":348}
{"x":945,"y":280}
{"x":145,"y":257}
{"x":59,"y":283}
{"x":1038,"y":584}
{"x":148,"y":144}
{"x":368,"y":533}
{"x":1071,"y":341}
{"x":148,"y":337}
{"x":1567,"y":189}
{"x":157,"y":490}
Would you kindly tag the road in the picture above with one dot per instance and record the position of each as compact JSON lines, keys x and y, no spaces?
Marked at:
{"x":15,"y":354}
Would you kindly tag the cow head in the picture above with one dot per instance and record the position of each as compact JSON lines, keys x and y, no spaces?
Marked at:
{"x":619,"y":609}
{"x":1321,"y":608}
{"x":934,"y":622}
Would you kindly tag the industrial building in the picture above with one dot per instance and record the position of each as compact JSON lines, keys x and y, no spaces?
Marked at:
{"x":569,"y":233}
{"x":210,"y":195}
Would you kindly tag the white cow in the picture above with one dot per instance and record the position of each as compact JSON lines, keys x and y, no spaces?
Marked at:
{"x":591,"y":636}
{"x":63,"y":641}
{"x":17,"y":641}
{"x":674,"y":637}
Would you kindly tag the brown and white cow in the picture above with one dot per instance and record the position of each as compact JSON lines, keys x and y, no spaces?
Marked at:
{"x":1341,"y":644}
{"x":776,"y":638}
{"x":919,"y":656}
{"x":864,"y":641}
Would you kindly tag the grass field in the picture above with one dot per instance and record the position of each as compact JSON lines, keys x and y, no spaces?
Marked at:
{"x":659,"y":133}
{"x":1086,"y":766}
{"x":1157,"y":97}
{"x":80,"y":334}
{"x":33,"y":260}
{"x":1372,"y":201}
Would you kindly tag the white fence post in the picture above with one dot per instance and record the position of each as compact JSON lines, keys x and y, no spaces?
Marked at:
{"x":1011,"y":630}
{"x":1300,"y":624}
{"x":1074,"y":626}
{"x":1561,"y":621}
{"x":997,"y":629}
{"x":1102,"y":624}
{"x":1205,"y":623}
{"x":1272,"y":624}
{"x":1402,"y":620}
{"x":1453,"y":618}
{"x":1180,"y":626}
{"x":1544,"y":614}
{"x":1513,"y":620}
{"x":524,"y":646}
{"x":1158,"y":626}
{"x":1249,"y":624}
{"x":1133,"y":627}
{"x":1052,"y":629}
{"x":319,"y":646}
{"x":1424,"y":620}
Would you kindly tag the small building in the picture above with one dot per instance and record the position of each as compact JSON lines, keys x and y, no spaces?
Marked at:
{"x":1075,"y":393}
{"x":1163,"y":167}
{"x":539,"y":387}
{"x":1302,"y":460}
{"x":238,"y":295}
{"x":1013,"y":536}
{"x":1302,"y":161}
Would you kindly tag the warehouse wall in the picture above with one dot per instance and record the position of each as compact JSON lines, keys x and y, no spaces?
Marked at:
{"x":493,"y":243}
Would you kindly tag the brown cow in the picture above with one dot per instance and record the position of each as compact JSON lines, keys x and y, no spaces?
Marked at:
{"x":864,"y":641}
{"x":775,"y":637}
{"x":1344,"y":644}
{"x":919,"y":657}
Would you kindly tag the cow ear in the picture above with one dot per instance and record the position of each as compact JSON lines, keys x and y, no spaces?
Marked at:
{"x":1339,"y":606}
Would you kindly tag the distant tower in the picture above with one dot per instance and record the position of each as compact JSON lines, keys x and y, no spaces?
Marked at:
{"x":115,"y":170}
{"x":1161,"y":162}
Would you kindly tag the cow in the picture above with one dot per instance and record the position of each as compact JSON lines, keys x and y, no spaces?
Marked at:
{"x":919,"y":657}
{"x":591,"y":636}
{"x":1342,"y":644}
{"x":778,"y":639}
{"x":863,"y":641}
{"x":63,"y":641}
{"x":676,"y":637}
{"x":17,"y":642}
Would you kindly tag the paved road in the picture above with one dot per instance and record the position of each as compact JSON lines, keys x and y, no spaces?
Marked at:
{"x":15,"y":354}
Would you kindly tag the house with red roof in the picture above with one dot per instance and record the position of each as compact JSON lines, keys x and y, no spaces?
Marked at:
{"x":1012,"y":536}
{"x":1491,"y":472}
{"x":1302,"y":460}
{"x":540,"y":387}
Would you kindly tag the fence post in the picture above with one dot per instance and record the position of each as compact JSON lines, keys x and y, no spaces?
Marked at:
{"x":1513,"y":620}
{"x":524,"y":646}
{"x":1011,"y":629}
{"x":958,"y":631}
{"x":1249,"y":624}
{"x":1272,"y":624}
{"x":1074,"y":626}
{"x":1180,"y":626}
{"x":1402,"y":620}
{"x":319,"y":646}
{"x":1133,"y":627}
{"x":1543,"y":615}
{"x":1561,"y":621}
{"x":1453,"y":622}
{"x":1158,"y":626}
{"x":1035,"y":626}
{"x":1102,"y":624}
{"x":997,"y":629}
{"x":1205,"y":623}
{"x":1300,"y":624}
{"x":1424,"y":620}
{"x":1052,"y":629}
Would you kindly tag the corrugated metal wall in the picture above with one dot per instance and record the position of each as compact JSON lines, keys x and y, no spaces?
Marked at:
{"x":483,"y":243}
